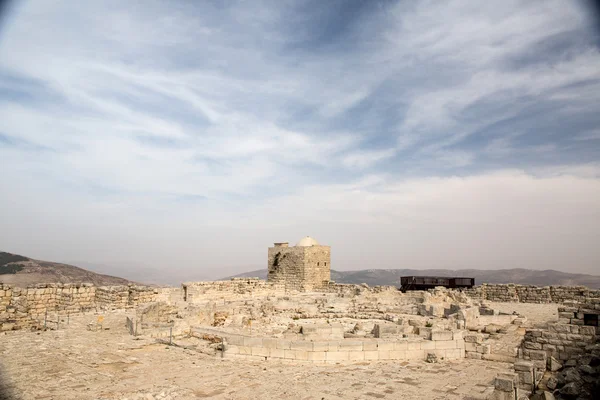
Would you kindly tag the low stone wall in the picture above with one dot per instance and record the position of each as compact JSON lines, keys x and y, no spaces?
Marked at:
{"x":559,"y":340}
{"x":556,"y":344}
{"x":534,"y":294}
{"x":24,"y":308}
{"x":237,"y":287}
{"x":446,"y":345}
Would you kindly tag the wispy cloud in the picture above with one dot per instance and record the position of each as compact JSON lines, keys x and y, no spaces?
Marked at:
{"x":216,"y":110}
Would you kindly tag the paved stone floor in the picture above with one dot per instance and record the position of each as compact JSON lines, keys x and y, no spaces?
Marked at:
{"x":74,"y":363}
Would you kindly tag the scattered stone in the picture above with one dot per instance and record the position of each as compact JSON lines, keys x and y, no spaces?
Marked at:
{"x":553,"y":364}
{"x":551,"y":383}
{"x":570,"y":389}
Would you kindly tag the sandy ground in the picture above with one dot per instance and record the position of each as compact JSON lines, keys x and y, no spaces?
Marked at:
{"x":536,"y":313}
{"x":74,"y":363}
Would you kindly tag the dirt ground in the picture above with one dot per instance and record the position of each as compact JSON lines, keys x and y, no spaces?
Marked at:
{"x":536,"y":313}
{"x":75,"y":363}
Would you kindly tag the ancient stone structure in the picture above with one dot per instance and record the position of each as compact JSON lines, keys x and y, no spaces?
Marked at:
{"x":27,"y":308}
{"x":299,"y":315}
{"x":304,"y":267}
{"x":316,"y":321}
{"x":532,"y":294}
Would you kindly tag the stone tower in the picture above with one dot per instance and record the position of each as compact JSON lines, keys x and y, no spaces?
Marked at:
{"x":304,"y":267}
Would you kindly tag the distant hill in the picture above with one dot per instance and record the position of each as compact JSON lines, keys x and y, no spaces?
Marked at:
{"x":375,"y":277}
{"x":23,"y":271}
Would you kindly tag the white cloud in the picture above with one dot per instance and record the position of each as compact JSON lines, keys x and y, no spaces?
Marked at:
{"x":176,"y":127}
{"x":366,"y":158}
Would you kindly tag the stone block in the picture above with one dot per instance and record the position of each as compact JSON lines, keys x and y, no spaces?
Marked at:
{"x":441,"y":335}
{"x":270,"y":343}
{"x":333,"y":346}
{"x":505,"y":383}
{"x":415,"y":355}
{"x":532,"y":346}
{"x":290,"y":354}
{"x":398,"y":354}
{"x":384,"y":354}
{"x":460,"y":344}
{"x":553,"y":364}
{"x":317,"y":356}
{"x":401,"y":345}
{"x":484,"y":348}
{"x":473,"y":355}
{"x":574,"y":328}
{"x":471,"y":346}
{"x":356,"y":356}
{"x":232,"y":349}
{"x":458,"y":335}
{"x":252,"y":341}
{"x":338,"y":356}
{"x":587,"y":330}
{"x":443,"y":345}
{"x":369,"y":345}
{"x":301,"y":345}
{"x":414,"y":345}
{"x":384,"y":345}
{"x":526,"y":377}
{"x":301,"y":355}
{"x":371,"y":355}
{"x":427,"y":345}
{"x":473,"y":338}
{"x":276,"y":353}
{"x":244,"y":350}
{"x":499,"y":358}
{"x":346,"y":345}
{"x":320,"y":346}
{"x":424,"y":332}
{"x":385,"y":330}
{"x":537,"y":355}
{"x":453,"y":354}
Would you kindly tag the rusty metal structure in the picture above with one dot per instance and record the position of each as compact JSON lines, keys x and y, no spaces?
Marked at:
{"x":429,"y":282}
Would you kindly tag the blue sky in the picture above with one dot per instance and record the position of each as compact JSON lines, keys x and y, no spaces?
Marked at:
{"x":192,"y":135}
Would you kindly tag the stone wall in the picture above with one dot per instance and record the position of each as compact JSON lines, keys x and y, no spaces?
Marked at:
{"x":302,"y":268}
{"x":533,"y":294}
{"x":25,"y":308}
{"x":447,"y":346}
{"x":317,"y":267}
{"x":558,"y":343}
{"x":234,"y":288}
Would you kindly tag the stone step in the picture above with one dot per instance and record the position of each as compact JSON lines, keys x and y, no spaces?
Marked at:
{"x":499,"y":358}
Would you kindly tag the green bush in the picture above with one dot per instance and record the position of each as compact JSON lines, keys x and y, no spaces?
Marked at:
{"x":10,"y":269}
{"x":6,"y":258}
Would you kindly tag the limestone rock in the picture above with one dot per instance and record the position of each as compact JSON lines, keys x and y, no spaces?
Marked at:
{"x":553,"y":364}
{"x":570,"y":389}
{"x":431,"y":358}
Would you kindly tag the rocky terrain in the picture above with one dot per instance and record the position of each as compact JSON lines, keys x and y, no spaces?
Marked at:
{"x":23,"y":271}
{"x":376,"y":277}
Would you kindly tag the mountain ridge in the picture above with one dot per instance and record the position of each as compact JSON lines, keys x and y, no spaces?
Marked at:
{"x":523,"y":276}
{"x":22,"y":271}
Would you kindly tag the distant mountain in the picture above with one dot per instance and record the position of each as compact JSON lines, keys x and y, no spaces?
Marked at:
{"x":375,"y":277}
{"x":22,"y":271}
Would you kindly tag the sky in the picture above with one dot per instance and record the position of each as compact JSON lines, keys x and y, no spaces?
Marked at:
{"x":178,"y":140}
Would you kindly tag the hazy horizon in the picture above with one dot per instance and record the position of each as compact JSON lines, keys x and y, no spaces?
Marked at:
{"x":183,"y":139}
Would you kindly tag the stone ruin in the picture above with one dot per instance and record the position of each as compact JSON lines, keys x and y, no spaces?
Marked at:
{"x":298,"y":315}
